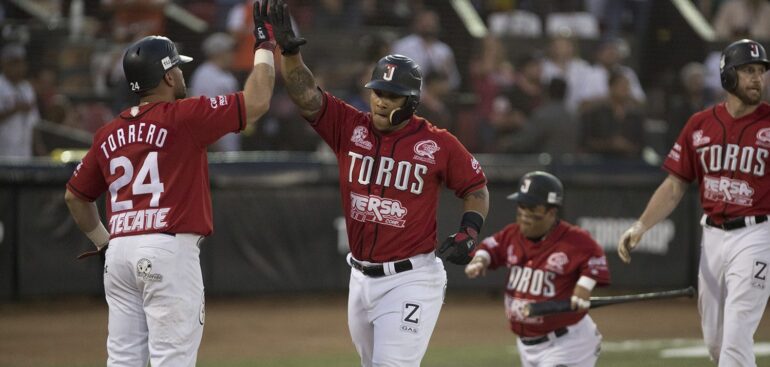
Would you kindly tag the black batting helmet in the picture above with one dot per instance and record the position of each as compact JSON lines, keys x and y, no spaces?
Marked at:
{"x":400,"y":75}
{"x":539,"y":188}
{"x":736,"y":54}
{"x":146,"y":61}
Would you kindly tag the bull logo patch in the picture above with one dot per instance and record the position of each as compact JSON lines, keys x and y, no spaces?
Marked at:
{"x":144,"y":271}
{"x":556,"y":262}
{"x":763,"y":137}
{"x":425,"y":150}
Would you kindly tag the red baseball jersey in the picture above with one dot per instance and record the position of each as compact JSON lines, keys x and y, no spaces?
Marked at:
{"x":543,"y":271}
{"x":390,"y":183}
{"x":152,"y":159}
{"x":728,"y":157}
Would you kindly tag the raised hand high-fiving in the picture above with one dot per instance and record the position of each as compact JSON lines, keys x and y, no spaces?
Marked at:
{"x":280,"y":18}
{"x":263,"y":30}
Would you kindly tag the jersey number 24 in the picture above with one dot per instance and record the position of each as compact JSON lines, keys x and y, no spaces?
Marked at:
{"x":140,"y":185}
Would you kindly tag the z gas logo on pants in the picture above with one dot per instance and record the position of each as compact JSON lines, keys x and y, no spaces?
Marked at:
{"x":373,"y":208}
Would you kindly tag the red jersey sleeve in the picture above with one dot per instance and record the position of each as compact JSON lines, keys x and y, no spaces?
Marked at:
{"x":595,"y":267}
{"x":679,"y":161}
{"x":333,"y":118}
{"x":87,"y":181}
{"x":496,"y":248}
{"x":209,"y":119}
{"x":463,"y":172}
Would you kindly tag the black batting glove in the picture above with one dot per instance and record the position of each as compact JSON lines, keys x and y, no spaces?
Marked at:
{"x":280,"y":18}
{"x":263,"y":30}
{"x":458,"y":247}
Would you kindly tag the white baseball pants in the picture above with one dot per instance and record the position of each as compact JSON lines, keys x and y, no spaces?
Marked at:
{"x":733,"y":291}
{"x":391,"y":318}
{"x":579,"y":347}
{"x":154,"y":291}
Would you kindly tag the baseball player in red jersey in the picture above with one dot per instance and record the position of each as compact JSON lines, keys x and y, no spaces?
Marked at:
{"x":391,"y":167}
{"x":152,"y":160}
{"x":726,"y":149}
{"x":549,"y":259}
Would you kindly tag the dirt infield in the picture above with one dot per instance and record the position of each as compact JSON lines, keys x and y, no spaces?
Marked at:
{"x":73,"y":332}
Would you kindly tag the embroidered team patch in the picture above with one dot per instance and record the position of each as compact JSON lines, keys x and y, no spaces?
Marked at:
{"x":144,"y":271}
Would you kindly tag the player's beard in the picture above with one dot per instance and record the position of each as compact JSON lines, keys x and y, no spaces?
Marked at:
{"x":746,"y":98}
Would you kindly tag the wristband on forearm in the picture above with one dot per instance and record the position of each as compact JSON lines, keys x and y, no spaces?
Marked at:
{"x":473,"y":220}
{"x":99,"y":236}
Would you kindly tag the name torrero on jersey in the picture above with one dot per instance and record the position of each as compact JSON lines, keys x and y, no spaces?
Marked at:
{"x":136,"y":132}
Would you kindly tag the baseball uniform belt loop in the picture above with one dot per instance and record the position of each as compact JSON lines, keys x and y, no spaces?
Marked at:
{"x":535,"y":340}
{"x":380,"y":270}
{"x":736,"y":223}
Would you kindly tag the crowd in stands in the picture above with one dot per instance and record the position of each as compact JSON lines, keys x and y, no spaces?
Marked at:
{"x":560,"y":77}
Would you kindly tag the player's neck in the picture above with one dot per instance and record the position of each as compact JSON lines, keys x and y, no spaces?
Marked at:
{"x":737,"y":109}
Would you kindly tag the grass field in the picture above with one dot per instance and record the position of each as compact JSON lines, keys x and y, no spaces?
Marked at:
{"x":312,"y":331}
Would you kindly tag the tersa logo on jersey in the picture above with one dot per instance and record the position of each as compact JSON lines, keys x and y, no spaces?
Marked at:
{"x":728,"y":190}
{"x":376,"y":209}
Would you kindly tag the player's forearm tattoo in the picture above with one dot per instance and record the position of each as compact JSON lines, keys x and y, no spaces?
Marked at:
{"x":480,"y":195}
{"x":302,"y":89}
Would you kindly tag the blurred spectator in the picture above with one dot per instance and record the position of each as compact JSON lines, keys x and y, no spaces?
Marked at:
{"x":551,"y":129}
{"x":515,"y":105}
{"x":564,"y":62}
{"x":614,"y":129}
{"x":595,"y":88}
{"x":358,"y":95}
{"x":433,"y":107}
{"x":617,"y":13}
{"x":18,"y":107}
{"x":392,"y":13}
{"x":424,"y":47}
{"x":136,"y":17}
{"x":751,"y":17}
{"x":693,"y":98}
{"x":338,"y":14}
{"x":240,"y":26}
{"x":491,"y":73}
{"x":213,"y":78}
{"x":517,"y":23}
{"x":223,"y":8}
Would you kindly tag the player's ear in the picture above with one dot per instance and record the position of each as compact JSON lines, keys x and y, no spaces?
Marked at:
{"x":168,"y":78}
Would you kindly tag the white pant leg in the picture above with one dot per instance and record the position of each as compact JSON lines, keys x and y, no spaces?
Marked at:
{"x":711,"y":289}
{"x":747,"y":292}
{"x":174,"y":304}
{"x":127,"y":327}
{"x":160,"y":274}
{"x":580,"y":347}
{"x":361,"y":329}
{"x":401,"y":310}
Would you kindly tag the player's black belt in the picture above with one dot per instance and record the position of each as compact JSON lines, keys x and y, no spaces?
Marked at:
{"x":542,"y":339}
{"x":376,"y":271}
{"x":737,"y":223}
